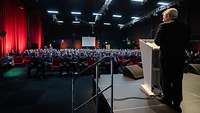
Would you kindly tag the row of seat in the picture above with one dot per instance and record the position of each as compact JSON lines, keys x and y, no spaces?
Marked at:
{"x":21,"y":59}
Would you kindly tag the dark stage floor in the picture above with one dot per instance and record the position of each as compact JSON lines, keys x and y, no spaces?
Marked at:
{"x":128,"y":98}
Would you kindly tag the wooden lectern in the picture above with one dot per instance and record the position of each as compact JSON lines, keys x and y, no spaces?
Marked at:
{"x":151,"y":66}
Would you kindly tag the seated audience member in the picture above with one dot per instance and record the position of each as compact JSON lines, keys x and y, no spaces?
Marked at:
{"x":7,"y":62}
{"x":78,"y":59}
{"x":38,"y":64}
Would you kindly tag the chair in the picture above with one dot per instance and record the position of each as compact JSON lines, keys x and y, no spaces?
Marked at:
{"x":56,"y":64}
{"x":18,"y":60}
{"x":26,"y":59}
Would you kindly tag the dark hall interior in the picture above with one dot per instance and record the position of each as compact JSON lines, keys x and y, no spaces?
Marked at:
{"x":92,"y":56}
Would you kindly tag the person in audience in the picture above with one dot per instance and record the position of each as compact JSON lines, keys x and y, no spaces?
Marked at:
{"x":7,"y":61}
{"x":75,"y":60}
{"x":37,"y":63}
{"x":173,"y":37}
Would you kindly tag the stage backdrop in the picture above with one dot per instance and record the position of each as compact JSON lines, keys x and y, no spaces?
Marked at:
{"x":36,"y":29}
{"x":13,"y":20}
{"x":88,"y":41}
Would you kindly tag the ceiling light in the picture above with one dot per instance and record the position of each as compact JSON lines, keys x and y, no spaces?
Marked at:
{"x":91,"y":22}
{"x":76,"y":13}
{"x":60,"y":21}
{"x":163,"y":3}
{"x":137,"y":0}
{"x":96,"y":14}
{"x":107,"y":2}
{"x":117,"y":16}
{"x":108,"y":24}
{"x":52,"y":12}
{"x":134,"y":17}
{"x":75,"y":22}
{"x":121,"y":25}
{"x":134,"y":21}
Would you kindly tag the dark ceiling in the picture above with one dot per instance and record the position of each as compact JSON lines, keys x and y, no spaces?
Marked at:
{"x":126,"y":8}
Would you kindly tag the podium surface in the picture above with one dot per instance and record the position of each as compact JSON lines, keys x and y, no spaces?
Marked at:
{"x":150,"y":63}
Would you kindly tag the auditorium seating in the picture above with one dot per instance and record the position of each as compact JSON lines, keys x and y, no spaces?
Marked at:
{"x":76,"y":59}
{"x":26,"y":59}
{"x":56,"y":64}
{"x":18,"y":60}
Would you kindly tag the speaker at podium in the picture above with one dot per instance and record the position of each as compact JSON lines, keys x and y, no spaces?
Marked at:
{"x":133,"y":71}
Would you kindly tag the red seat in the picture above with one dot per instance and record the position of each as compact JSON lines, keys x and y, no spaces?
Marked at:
{"x":27,"y":59}
{"x":90,"y":61}
{"x":133,"y":62}
{"x":120,"y":60}
{"x":55,"y":64}
{"x":18,"y":59}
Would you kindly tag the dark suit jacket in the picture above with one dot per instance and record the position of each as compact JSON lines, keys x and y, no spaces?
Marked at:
{"x":173,"y":38}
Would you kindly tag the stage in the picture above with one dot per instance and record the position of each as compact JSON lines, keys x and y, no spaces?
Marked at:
{"x":128,"y":97}
{"x":53,"y":94}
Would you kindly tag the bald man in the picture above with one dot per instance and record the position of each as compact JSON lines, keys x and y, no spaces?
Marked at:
{"x":173,"y":37}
